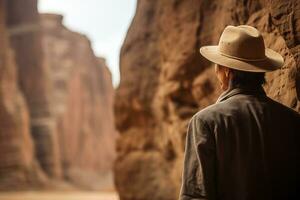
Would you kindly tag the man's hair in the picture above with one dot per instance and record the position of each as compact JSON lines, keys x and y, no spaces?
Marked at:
{"x":247,"y":79}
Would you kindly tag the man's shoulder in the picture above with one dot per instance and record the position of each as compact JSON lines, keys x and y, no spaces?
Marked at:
{"x":235,"y":106}
{"x":212,"y":112}
{"x":283,"y":108}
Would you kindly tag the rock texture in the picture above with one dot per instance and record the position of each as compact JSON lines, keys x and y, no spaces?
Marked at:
{"x":164,"y":81}
{"x":18,"y":166}
{"x":82,"y":103}
{"x":25,"y":33}
{"x":56,"y":104}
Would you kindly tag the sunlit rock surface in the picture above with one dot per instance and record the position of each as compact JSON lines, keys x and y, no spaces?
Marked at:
{"x":18,"y":166}
{"x":82,"y":104}
{"x":164,"y":81}
{"x":25,"y":34}
{"x":56,"y":104}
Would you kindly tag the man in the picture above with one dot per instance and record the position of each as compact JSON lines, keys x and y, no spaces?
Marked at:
{"x":246,"y":146}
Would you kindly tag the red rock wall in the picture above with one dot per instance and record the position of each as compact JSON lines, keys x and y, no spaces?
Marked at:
{"x":18,"y":167}
{"x":82,"y":103}
{"x":25,"y":33}
{"x":56,"y":104}
{"x":164,"y":81}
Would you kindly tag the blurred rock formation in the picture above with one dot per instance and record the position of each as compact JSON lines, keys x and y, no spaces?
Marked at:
{"x":164,"y":81}
{"x":82,"y":102}
{"x":25,"y":33}
{"x":56,"y":104}
{"x":18,"y":166}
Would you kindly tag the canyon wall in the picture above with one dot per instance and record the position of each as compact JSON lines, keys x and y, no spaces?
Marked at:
{"x":25,"y":33}
{"x":18,"y":166}
{"x":164,"y":81}
{"x":82,"y":103}
{"x":56,"y":104}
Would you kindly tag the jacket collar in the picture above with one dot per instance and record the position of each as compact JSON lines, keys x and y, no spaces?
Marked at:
{"x":240,"y":90}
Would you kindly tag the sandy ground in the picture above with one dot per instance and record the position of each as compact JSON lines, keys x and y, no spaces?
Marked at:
{"x":58,"y":196}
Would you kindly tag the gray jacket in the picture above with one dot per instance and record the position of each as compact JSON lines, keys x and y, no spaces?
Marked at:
{"x":246,"y":146}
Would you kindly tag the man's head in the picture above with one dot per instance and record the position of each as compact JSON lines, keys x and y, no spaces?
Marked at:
{"x":234,"y":78}
{"x":241,"y":57}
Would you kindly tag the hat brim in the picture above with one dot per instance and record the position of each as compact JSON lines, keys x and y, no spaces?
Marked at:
{"x":272,"y":62}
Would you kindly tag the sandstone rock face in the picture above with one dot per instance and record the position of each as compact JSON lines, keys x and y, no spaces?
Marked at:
{"x":164,"y":81}
{"x":82,"y":104}
{"x":18,"y":166}
{"x":56,"y":104}
{"x":23,"y":22}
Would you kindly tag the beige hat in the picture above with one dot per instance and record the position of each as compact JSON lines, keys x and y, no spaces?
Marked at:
{"x":242,"y":48}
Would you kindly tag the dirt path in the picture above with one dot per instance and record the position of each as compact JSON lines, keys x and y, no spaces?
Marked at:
{"x":58,"y":196}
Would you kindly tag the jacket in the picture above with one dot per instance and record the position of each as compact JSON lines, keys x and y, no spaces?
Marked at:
{"x":245,"y":146}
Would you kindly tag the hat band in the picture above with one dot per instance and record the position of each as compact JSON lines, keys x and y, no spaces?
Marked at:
{"x":243,"y":59}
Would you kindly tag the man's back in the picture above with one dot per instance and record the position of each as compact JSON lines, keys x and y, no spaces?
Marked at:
{"x":256,"y":145}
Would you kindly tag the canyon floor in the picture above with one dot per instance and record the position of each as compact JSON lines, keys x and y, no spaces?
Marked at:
{"x":78,"y":195}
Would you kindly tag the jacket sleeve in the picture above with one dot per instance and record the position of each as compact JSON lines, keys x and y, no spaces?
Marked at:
{"x":198,"y":178}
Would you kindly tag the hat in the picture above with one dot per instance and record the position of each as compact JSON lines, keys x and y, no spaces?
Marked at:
{"x":242,"y":48}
